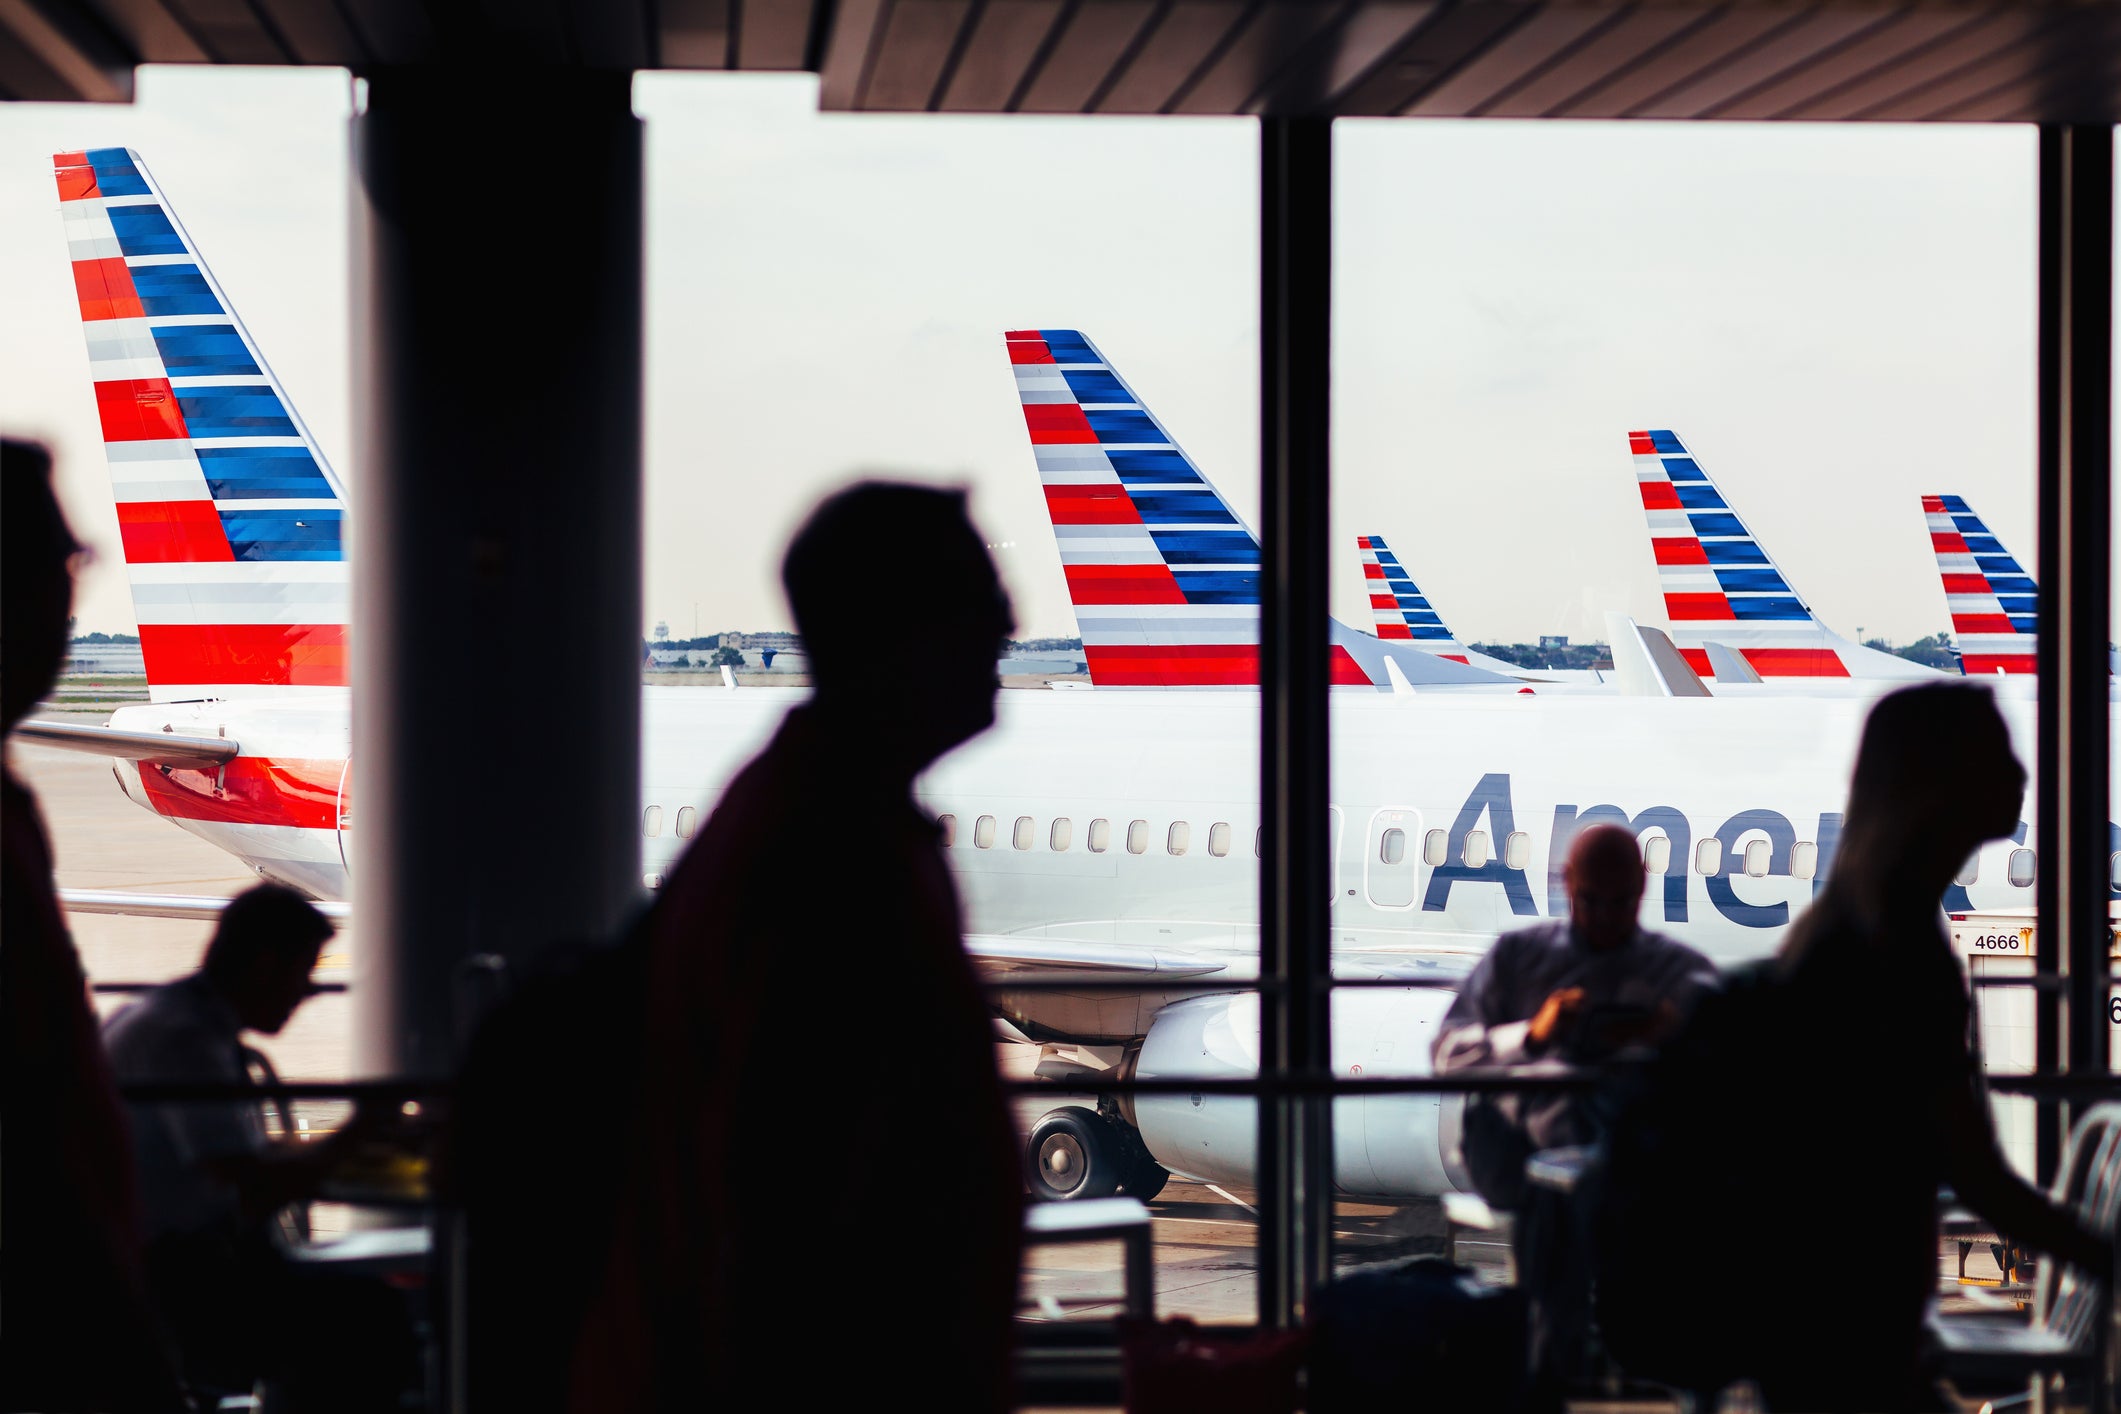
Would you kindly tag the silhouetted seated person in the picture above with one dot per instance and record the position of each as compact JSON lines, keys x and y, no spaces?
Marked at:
{"x":1817,"y":1105}
{"x":825,"y":1206}
{"x":76,"y":1331}
{"x":1574,"y":992}
{"x":212,"y":1182}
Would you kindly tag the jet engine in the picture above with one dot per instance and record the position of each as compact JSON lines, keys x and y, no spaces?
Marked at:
{"x":1386,"y":1146}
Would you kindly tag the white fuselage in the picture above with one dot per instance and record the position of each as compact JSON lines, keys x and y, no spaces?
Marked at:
{"x":1478,"y":787}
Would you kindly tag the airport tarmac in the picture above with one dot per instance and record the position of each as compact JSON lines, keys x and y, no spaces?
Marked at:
{"x":1205,"y":1236}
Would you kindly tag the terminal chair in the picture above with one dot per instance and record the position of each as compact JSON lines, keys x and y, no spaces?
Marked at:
{"x":2069,"y":1334}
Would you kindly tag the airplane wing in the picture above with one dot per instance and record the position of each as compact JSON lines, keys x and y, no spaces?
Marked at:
{"x":161,"y":748}
{"x":201,"y":907}
{"x":1015,"y":957}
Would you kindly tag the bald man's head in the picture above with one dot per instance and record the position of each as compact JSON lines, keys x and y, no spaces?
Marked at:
{"x":1604,"y":880}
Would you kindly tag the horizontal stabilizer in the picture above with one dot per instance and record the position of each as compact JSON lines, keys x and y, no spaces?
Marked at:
{"x":196,"y":753}
{"x":1728,"y":665}
{"x":1015,"y":957}
{"x":193,"y":906}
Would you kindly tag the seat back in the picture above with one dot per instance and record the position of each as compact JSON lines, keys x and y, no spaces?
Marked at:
{"x":2066,"y":1300}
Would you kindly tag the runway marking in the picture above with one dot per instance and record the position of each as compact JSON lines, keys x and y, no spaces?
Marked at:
{"x":1227,"y":1197}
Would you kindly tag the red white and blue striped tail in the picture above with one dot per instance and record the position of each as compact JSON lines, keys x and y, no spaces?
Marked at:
{"x":1994,"y":603}
{"x":1400,"y":609}
{"x":1721,"y":587}
{"x":1719,"y":584}
{"x":1164,"y":576}
{"x":229,"y":514}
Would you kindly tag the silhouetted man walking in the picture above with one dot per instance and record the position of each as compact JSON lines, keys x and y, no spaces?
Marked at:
{"x":827,"y":1204}
{"x":75,"y":1327}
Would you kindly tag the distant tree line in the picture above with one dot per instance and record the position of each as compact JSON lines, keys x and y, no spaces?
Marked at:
{"x":1932,"y":651}
{"x":708,"y":643}
{"x":1532,"y":655}
{"x":106,"y":638}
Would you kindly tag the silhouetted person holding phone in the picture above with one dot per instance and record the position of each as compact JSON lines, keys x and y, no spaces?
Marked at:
{"x":75,"y":1324}
{"x":1829,"y":1096}
{"x":1576,"y":991}
{"x":213,"y":1182}
{"x":825,"y":1201}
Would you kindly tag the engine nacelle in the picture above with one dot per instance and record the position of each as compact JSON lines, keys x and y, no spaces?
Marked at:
{"x":1387,"y":1146}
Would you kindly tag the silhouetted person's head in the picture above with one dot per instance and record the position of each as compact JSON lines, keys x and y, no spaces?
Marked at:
{"x":1604,"y":878}
{"x":36,"y":554}
{"x":263,"y":950}
{"x":921,"y":674}
{"x":1935,"y":777}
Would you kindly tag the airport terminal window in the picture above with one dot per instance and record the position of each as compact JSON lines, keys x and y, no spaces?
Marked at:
{"x":1061,"y":836}
{"x":1804,"y":860}
{"x":1022,"y":835}
{"x":1758,"y":856}
{"x":1708,"y":857}
{"x":689,"y":820}
{"x":1476,"y":848}
{"x":652,"y":821}
{"x":1516,"y":850}
{"x":946,"y":823}
{"x":1969,"y":871}
{"x":1219,"y":838}
{"x":1100,"y":836}
{"x":1179,"y":838}
{"x":1435,"y":847}
{"x":1657,"y":854}
{"x":983,"y":832}
{"x":2024,"y":868}
{"x":1137,"y":836}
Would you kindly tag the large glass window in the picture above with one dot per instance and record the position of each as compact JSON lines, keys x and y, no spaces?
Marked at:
{"x":1568,"y":483}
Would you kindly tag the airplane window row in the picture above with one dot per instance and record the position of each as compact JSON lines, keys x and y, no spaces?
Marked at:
{"x":1756,"y":860}
{"x":652,"y":821}
{"x":1097,"y":838}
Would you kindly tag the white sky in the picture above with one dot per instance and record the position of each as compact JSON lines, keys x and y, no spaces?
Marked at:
{"x":1836,"y":318}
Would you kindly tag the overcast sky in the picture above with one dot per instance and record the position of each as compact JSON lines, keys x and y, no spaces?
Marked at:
{"x":1837,"y":319}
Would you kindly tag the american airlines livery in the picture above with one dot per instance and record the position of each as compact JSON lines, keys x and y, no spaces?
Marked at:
{"x":1163,"y":574}
{"x":1402,"y":611}
{"x":1109,"y":837}
{"x":1994,"y":604}
{"x":1720,"y":587}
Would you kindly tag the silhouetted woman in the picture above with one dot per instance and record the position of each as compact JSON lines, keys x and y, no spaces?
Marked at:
{"x":1791,"y":1141}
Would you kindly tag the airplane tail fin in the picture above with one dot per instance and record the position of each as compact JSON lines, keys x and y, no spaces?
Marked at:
{"x":229,"y":515}
{"x":1994,"y":603}
{"x":1720,"y":585}
{"x":1401,"y":610}
{"x":1163,"y":575}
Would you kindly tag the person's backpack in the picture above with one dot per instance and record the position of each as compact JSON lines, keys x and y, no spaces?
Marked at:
{"x":544,"y":1110}
{"x":1420,"y":1333}
{"x":1687,"y":1175}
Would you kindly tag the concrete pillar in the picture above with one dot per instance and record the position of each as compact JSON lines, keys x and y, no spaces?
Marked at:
{"x":497,"y":507}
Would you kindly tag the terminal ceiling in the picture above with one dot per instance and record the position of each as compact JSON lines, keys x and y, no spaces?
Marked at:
{"x":1949,"y":60}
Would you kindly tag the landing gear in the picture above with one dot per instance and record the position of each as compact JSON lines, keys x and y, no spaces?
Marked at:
{"x":1080,"y":1153}
{"x":1070,"y":1154}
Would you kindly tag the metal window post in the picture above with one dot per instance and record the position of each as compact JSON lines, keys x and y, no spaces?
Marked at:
{"x":1295,"y":1164}
{"x":2075,"y":569}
